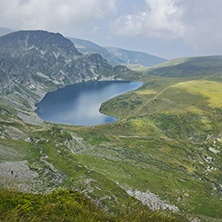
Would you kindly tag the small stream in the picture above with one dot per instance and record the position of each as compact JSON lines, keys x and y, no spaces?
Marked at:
{"x":58,"y":176}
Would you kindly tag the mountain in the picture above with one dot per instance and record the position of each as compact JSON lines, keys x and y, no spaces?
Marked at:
{"x":116,"y":55}
{"x":4,"y":31}
{"x":35,"y":62}
{"x":189,"y":67}
{"x":88,"y":47}
{"x":133,"y":57}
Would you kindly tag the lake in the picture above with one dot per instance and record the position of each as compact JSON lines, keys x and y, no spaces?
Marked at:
{"x":79,"y":104}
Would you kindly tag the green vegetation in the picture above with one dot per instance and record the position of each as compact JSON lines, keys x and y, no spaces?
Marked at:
{"x":164,"y":144}
{"x":68,"y":205}
{"x":63,"y":205}
{"x":138,"y":67}
{"x":167,"y":142}
{"x":189,"y":67}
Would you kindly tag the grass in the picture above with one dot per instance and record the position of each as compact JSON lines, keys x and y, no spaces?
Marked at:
{"x":161,"y":143}
{"x":208,"y":89}
{"x":192,"y":67}
{"x":61,"y":205}
{"x":17,"y":150}
{"x":163,"y":146}
{"x":138,"y":67}
{"x":69,"y":205}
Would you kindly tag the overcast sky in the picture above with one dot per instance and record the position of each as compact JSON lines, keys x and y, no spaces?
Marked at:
{"x":166,"y":28}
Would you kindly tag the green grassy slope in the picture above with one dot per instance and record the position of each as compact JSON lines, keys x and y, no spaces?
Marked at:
{"x":189,"y":67}
{"x":57,"y":144}
{"x":168,"y":141}
{"x":69,"y":205}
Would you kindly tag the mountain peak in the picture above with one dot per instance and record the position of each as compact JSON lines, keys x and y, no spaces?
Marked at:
{"x":26,"y":40}
{"x":40,"y":59}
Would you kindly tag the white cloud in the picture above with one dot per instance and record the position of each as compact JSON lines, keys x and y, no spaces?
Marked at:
{"x":95,"y":29}
{"x":203,"y":28}
{"x":196,"y":22}
{"x":53,"y":15}
{"x":161,"y":18}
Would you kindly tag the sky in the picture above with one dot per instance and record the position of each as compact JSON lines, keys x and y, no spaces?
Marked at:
{"x":165,"y":28}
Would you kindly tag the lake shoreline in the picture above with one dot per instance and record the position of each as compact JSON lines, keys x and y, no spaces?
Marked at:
{"x":71,"y":98}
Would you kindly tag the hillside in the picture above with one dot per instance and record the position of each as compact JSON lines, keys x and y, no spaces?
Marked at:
{"x":133,"y":57}
{"x":189,"y":67}
{"x":164,"y":152}
{"x":117,"y":56}
{"x":88,"y":47}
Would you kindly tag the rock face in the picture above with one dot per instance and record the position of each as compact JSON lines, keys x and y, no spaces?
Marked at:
{"x":33,"y":63}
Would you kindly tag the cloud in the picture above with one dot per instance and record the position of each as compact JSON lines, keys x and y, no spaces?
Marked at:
{"x":161,"y":18}
{"x":203,"y":28}
{"x":197,"y":23}
{"x":53,"y":15}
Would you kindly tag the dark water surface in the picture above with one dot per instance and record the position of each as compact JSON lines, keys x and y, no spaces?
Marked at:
{"x":79,"y":104}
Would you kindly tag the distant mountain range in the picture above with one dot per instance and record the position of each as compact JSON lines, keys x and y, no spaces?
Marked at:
{"x":88,"y":47}
{"x":116,"y":55}
{"x":133,"y":57}
{"x":113,"y":55}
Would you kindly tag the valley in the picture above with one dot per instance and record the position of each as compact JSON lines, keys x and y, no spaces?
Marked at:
{"x":165,"y":149}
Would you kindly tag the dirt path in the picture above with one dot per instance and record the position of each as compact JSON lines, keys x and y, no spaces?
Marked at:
{"x":144,"y":104}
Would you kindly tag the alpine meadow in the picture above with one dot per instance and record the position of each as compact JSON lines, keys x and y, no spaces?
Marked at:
{"x":160,"y":161}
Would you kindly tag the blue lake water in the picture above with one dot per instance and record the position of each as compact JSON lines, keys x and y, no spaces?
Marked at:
{"x":79,"y":104}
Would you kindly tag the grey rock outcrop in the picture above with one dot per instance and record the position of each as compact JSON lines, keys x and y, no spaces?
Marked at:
{"x":152,"y":201}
